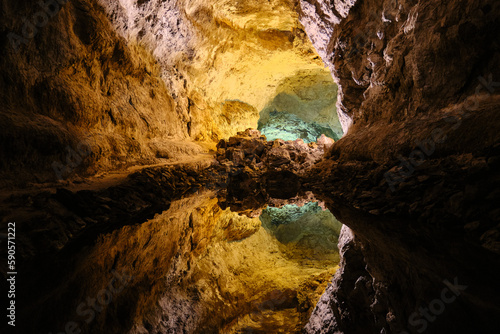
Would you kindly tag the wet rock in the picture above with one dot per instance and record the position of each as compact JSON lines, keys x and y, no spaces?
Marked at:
{"x":236,"y":155}
{"x":281,"y":185}
{"x":253,"y":147}
{"x":237,"y":227}
{"x":261,"y":155}
{"x":289,"y":126}
{"x":276,"y":157}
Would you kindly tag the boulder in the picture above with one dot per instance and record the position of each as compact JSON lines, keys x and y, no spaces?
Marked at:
{"x":325,"y":141}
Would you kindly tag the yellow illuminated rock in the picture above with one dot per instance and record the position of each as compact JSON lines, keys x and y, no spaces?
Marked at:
{"x":220,"y":52}
{"x":127,"y":76}
{"x":194,"y":268}
{"x":256,"y":47}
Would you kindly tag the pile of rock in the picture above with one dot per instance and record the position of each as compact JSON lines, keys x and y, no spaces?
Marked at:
{"x":251,"y":150}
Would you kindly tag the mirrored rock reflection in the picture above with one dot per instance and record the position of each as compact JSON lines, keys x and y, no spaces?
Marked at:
{"x":199,"y":267}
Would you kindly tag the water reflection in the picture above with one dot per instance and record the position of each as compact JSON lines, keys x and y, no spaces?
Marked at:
{"x":197,"y":268}
{"x":307,"y":233}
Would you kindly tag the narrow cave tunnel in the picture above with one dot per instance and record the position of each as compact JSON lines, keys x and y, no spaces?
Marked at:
{"x":279,"y":166}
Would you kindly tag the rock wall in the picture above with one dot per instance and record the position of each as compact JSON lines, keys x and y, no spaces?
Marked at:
{"x":76,"y":97}
{"x":218,"y":53}
{"x":96,"y":85}
{"x":396,"y":60}
{"x":156,"y":253}
{"x":214,"y":285}
{"x":309,"y":95}
{"x":418,"y":98}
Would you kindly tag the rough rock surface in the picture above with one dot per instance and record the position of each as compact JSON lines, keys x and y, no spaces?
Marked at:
{"x":260,"y":170}
{"x":418,"y":98}
{"x":97,"y":85}
{"x":286,"y":126}
{"x":213,"y":53}
{"x":309,"y":230}
{"x":176,"y":260}
{"x":250,"y":284}
{"x":77,"y":98}
{"x":381,"y":54}
{"x":249,"y":149}
{"x":311,"y":96}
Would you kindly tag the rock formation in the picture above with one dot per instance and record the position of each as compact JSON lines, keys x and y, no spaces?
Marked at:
{"x":124,"y":153}
{"x":102,"y":85}
{"x":259,"y":170}
{"x":250,"y":149}
{"x":77,"y":98}
{"x":418,"y":98}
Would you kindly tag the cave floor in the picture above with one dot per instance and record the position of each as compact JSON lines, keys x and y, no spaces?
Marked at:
{"x":105,"y":180}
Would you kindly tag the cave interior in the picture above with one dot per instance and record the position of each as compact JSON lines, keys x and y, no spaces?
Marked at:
{"x":277,"y":166}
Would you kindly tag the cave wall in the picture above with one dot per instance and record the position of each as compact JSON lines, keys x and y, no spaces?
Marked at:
{"x":76,"y":97}
{"x":98,"y":85}
{"x":396,"y":60}
{"x":419,"y":99}
{"x":135,"y":81}
{"x":189,"y":266}
{"x":224,"y":62}
{"x":311,"y":95}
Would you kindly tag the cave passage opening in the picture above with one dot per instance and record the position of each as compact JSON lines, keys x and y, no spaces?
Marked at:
{"x":304,"y":108}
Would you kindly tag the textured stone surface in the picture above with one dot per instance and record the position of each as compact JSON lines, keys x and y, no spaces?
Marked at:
{"x":323,"y":319}
{"x":188,"y":264}
{"x":215,"y":52}
{"x":286,"y":126}
{"x":250,"y":285}
{"x":311,"y":97}
{"x":418,"y":96}
{"x":308,"y":230}
{"x":380,"y":54}
{"x":249,"y":150}
{"x":101,"y":85}
{"x":78,"y":96}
